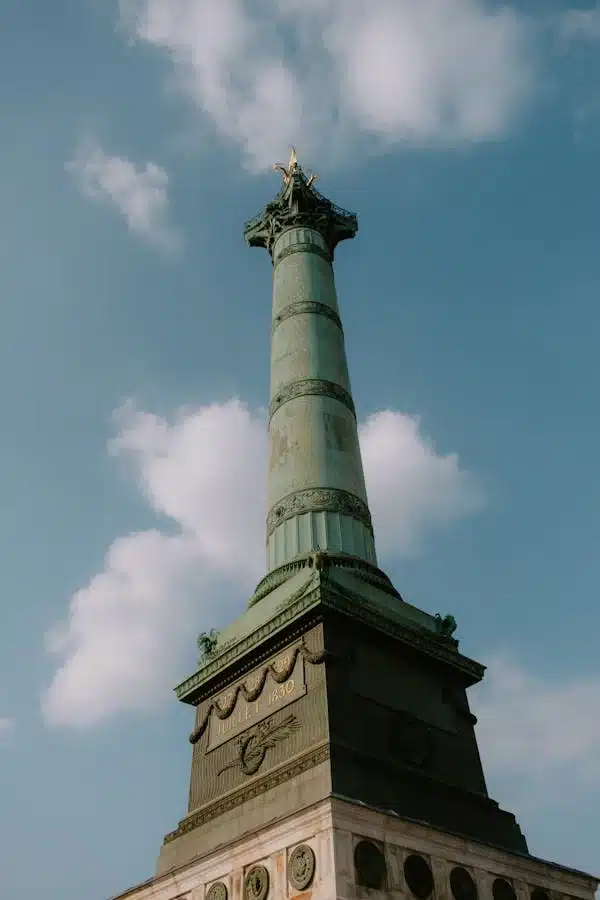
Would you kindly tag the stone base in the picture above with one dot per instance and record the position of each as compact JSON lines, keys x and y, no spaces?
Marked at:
{"x":360,"y":852}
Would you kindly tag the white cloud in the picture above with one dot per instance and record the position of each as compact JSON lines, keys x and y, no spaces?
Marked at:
{"x":206,"y":471}
{"x":581,"y":23}
{"x":538,"y":728}
{"x":139,"y":194}
{"x":411,"y":487}
{"x":129,"y":628}
{"x":7,"y":730}
{"x":327,"y":73}
{"x":122,"y":644}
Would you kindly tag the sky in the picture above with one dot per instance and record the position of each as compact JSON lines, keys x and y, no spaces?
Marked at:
{"x":137,"y":138}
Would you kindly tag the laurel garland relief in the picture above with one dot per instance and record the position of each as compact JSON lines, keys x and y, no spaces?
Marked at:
{"x":285,"y":689}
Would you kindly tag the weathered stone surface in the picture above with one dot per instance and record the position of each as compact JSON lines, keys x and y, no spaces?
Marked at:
{"x":350,"y":684}
{"x":332,"y":829}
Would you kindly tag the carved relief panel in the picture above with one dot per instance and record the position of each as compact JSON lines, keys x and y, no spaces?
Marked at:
{"x":272,"y":714}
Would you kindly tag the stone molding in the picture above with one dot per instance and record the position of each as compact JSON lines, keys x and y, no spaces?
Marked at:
{"x":302,"y":248}
{"x":360,"y":567}
{"x":278,"y":576}
{"x":318,"y":500}
{"x":315,"y":580}
{"x":356,"y":607}
{"x":286,"y":612}
{"x":306,"y":307}
{"x":311,"y":387}
{"x":418,"y":638}
{"x":338,"y":823}
{"x":273,"y":779}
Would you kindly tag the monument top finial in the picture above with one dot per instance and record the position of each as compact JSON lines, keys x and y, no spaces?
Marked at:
{"x":292,"y":168}
{"x":299,"y":204}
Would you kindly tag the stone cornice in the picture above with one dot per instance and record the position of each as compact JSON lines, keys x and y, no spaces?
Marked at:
{"x":357,"y":607}
{"x":311,"y":595}
{"x":289,"y":610}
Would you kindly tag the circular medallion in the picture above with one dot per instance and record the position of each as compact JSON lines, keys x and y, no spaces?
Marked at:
{"x":370,"y":865}
{"x":503,"y":890}
{"x":418,"y":876}
{"x":217,"y":891}
{"x":301,"y":867}
{"x":256,"y":883}
{"x":462,"y":885}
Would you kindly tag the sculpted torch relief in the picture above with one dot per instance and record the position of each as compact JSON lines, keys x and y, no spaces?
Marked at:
{"x":273,"y":697}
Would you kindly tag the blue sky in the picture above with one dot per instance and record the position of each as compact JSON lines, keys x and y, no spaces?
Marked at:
{"x":134,"y":334}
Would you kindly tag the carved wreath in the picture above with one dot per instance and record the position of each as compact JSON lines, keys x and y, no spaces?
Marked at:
{"x":253,"y":747}
{"x":257,"y":883}
{"x":217,"y":891}
{"x":301,"y":867}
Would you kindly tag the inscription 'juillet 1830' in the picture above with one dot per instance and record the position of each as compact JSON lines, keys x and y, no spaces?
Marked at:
{"x":272,"y":697}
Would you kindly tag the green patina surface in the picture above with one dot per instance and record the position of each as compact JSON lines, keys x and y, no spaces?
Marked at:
{"x":316,"y":489}
{"x":299,"y":204}
{"x":317,"y":499}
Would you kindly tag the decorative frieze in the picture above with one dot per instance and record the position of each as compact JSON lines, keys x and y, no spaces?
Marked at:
{"x":307,"y":307}
{"x":311,"y":387}
{"x":316,"y":499}
{"x":302,"y":248}
{"x":250,"y":694}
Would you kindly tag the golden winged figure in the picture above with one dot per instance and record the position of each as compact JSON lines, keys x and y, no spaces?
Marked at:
{"x":291,"y":166}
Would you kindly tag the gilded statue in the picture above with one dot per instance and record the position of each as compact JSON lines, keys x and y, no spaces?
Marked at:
{"x":291,"y":168}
